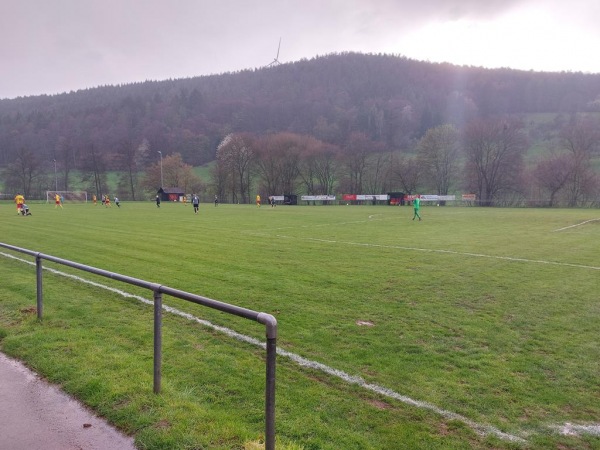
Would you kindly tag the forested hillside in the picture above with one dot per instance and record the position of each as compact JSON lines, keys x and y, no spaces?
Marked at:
{"x":385,"y":102}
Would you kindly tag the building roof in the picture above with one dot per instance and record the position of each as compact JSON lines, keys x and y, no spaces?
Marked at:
{"x":171,"y":190}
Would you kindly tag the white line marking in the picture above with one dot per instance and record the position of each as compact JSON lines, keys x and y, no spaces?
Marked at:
{"x":481,"y":429}
{"x":450,"y":252}
{"x":576,"y":225}
{"x":570,"y":429}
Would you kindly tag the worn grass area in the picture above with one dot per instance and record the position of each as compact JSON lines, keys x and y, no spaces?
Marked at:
{"x":489,"y":314}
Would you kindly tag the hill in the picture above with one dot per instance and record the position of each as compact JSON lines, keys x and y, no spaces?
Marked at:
{"x":391,"y":99}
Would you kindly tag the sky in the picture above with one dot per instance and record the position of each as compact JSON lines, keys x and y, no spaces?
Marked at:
{"x":55,"y":46}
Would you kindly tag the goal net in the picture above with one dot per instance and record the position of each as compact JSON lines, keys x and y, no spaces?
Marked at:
{"x":67,"y":196}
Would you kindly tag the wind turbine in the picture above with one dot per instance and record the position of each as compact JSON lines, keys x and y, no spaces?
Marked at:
{"x":276,"y":62}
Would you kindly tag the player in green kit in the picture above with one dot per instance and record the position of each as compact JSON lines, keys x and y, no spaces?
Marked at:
{"x":417,"y":207}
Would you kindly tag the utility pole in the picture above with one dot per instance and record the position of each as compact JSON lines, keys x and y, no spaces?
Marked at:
{"x":161,"y":171}
{"x":55,"y":179}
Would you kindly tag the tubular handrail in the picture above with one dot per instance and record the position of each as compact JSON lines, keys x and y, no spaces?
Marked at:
{"x":267,"y":320}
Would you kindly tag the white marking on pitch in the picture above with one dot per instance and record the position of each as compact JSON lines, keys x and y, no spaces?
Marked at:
{"x":481,"y":429}
{"x":577,"y":224}
{"x":566,"y":429}
{"x":450,"y":252}
{"x":569,"y":429}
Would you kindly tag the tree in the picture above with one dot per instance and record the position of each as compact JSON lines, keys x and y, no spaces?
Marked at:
{"x":219,"y":177}
{"x":581,"y":138}
{"x":552,"y":174}
{"x":378,"y":173}
{"x":494,"y":157}
{"x":93,"y":170}
{"x":277,"y":161}
{"x":356,"y":156}
{"x":66,"y":155}
{"x":23,"y":172}
{"x":131,"y":161}
{"x":319,"y":169}
{"x":235,"y":155}
{"x":407,"y":174}
{"x":176,"y":173}
{"x":438,"y":153}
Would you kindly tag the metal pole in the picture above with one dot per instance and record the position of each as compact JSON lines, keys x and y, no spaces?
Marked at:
{"x":161,"y":171}
{"x":55,"y":178}
{"x":38,"y":267}
{"x":157,"y":339}
{"x":270,"y":395}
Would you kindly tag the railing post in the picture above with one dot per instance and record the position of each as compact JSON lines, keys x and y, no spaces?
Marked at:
{"x":157,"y":339}
{"x":270,"y":394}
{"x":38,"y":267}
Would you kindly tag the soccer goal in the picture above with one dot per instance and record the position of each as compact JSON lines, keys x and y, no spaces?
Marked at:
{"x":67,"y":196}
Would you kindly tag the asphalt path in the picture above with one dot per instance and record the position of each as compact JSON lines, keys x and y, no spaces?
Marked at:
{"x":36,"y":415}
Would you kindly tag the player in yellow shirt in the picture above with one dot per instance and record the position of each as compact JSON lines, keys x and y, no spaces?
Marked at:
{"x":258,"y":201}
{"x":19,"y":200}
{"x":57,"y":201}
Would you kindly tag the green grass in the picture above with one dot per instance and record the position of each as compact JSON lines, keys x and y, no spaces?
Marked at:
{"x":491,"y":314}
{"x":204,"y":171}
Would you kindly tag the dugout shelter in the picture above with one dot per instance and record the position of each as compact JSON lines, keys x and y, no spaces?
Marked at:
{"x":396,"y":198}
{"x":172,"y":194}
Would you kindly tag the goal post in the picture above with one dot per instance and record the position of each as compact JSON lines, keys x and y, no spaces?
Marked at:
{"x":67,"y":196}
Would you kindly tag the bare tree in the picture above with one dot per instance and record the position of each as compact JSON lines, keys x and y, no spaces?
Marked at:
{"x":356,"y":155}
{"x":552,"y":174}
{"x":581,"y":138}
{"x":93,"y":170}
{"x":235,"y":155}
{"x":438,"y":153}
{"x":219,"y":177}
{"x":23,"y":172}
{"x":494,"y":157}
{"x":131,"y":161}
{"x":66,"y":155}
{"x":378,"y":173}
{"x":318,"y":170}
{"x":278,"y":161}
{"x":407,"y":174}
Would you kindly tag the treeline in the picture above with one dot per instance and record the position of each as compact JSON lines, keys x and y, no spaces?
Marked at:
{"x":486,"y":159}
{"x":391,"y":102}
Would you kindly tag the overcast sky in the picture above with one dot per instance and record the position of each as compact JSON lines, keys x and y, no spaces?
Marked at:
{"x":55,"y":46}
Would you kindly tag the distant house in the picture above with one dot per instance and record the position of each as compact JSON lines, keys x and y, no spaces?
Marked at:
{"x":172,"y":194}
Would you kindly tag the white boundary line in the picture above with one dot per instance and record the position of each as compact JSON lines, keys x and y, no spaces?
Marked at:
{"x":429,"y":250}
{"x":481,"y":429}
{"x":569,"y":429}
{"x":576,"y":225}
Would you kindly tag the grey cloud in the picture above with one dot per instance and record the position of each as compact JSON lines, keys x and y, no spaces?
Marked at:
{"x":61,"y":45}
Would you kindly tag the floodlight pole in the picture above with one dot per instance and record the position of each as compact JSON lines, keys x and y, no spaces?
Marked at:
{"x":161,"y":171}
{"x":55,"y":179}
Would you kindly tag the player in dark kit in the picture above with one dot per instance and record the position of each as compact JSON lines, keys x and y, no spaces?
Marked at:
{"x":196,"y":203}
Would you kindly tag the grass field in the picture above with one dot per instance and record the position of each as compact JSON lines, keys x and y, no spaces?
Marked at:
{"x":475,"y":328}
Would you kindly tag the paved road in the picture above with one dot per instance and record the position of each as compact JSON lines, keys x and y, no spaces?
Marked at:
{"x":35,"y":415}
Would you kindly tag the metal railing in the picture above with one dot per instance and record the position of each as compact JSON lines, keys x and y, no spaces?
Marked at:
{"x":266,"y":319}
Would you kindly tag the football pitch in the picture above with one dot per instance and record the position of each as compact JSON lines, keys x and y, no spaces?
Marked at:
{"x":474,"y":328}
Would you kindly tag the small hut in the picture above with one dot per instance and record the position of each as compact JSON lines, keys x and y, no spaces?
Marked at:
{"x":172,"y":194}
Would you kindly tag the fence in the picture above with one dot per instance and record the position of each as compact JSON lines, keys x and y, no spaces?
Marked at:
{"x":266,"y":319}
